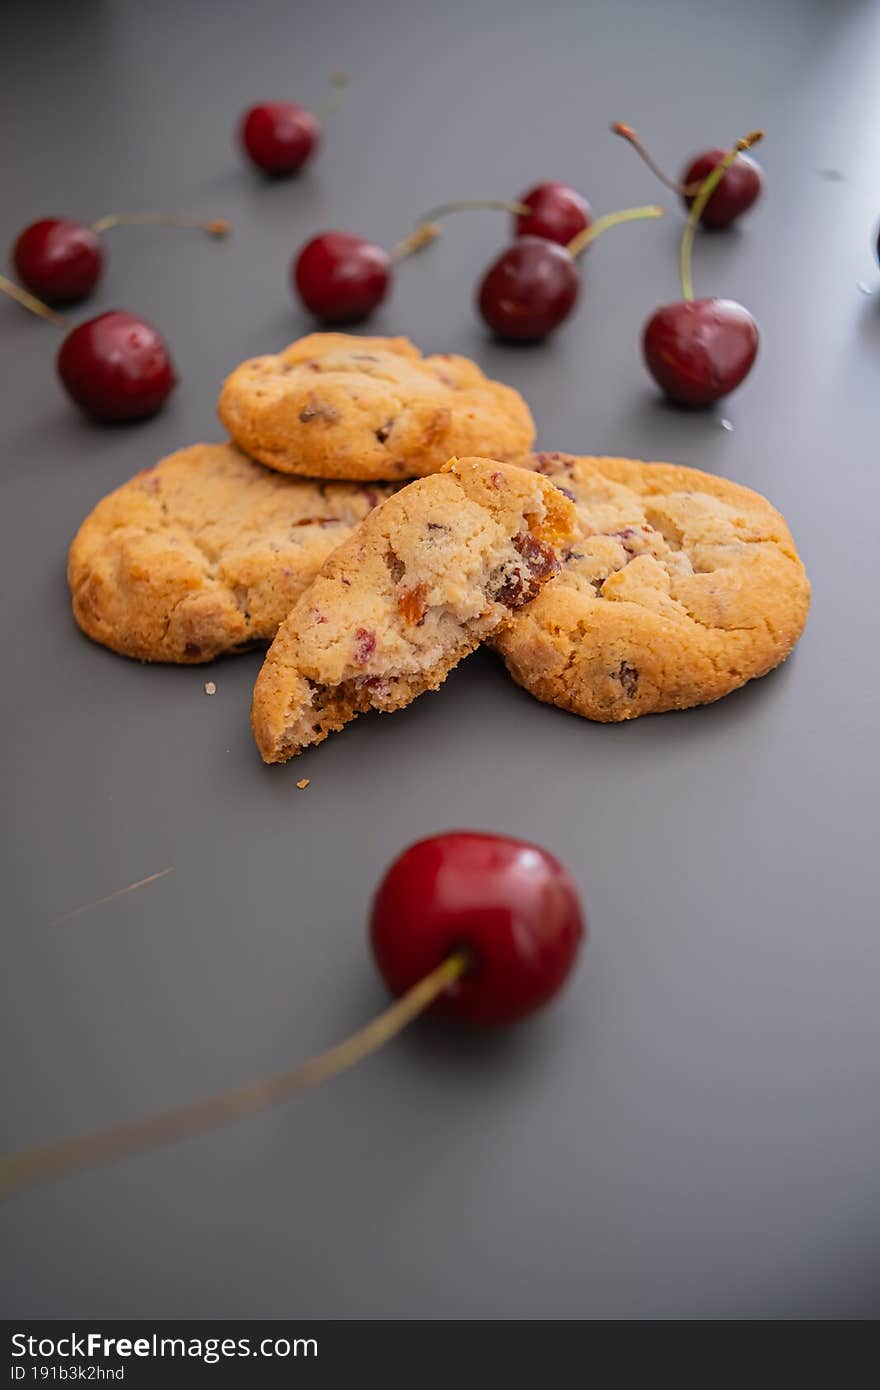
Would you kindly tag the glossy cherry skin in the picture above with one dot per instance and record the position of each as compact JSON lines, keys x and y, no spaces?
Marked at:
{"x":279,"y":136}
{"x":57,"y":260}
{"x":529,"y":289}
{"x":558,"y":213}
{"x":511,"y":905}
{"x":116,"y":367}
{"x":700,"y":350}
{"x":341,"y":278}
{"x":739,"y":188}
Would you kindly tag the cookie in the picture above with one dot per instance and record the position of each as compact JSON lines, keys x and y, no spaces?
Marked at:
{"x":204,"y":553}
{"x":680,"y":588}
{"x":432,"y":572}
{"x":337,"y":406}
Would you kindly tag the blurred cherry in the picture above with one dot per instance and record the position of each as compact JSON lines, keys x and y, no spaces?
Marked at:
{"x":61,"y":261}
{"x":116,"y":367}
{"x":738,"y":189}
{"x":279,"y":136}
{"x":341,"y":278}
{"x":555,"y":211}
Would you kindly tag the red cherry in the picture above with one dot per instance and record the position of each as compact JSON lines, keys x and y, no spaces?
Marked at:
{"x":558,"y":213}
{"x":700,"y":350}
{"x":529,"y":290}
{"x":279,"y":136}
{"x":340,"y":277}
{"x":58,"y":260}
{"x":740,"y":187}
{"x":116,"y":367}
{"x":512,"y":906}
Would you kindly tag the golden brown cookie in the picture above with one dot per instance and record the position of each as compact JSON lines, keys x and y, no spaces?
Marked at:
{"x":336,"y":406}
{"x":680,"y":588}
{"x":431,"y":573}
{"x":205,"y":553}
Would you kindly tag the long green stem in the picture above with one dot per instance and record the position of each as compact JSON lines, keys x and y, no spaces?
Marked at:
{"x":36,"y":1165}
{"x":30,"y":301}
{"x":611,"y":219}
{"x":707,"y":188}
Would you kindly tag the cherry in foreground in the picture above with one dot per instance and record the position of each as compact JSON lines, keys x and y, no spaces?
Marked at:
{"x":476,"y":927}
{"x":739,"y":188}
{"x":61,"y":261}
{"x":699,"y":350}
{"x":510,"y":907}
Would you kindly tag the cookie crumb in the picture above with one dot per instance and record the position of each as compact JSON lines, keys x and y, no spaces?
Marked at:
{"x":303,"y":783}
{"x":210,"y":688}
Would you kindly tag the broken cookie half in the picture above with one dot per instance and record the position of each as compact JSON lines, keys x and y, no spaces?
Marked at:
{"x":431,"y":573}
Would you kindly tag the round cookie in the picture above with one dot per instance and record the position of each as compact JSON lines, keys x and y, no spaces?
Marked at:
{"x":681,"y":587}
{"x":337,"y":406}
{"x":430,"y":574}
{"x":205,"y":553}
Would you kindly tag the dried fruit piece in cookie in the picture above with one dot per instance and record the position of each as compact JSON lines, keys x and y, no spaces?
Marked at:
{"x":680,"y":587}
{"x":337,"y":406}
{"x":204,"y":553}
{"x":430,"y":574}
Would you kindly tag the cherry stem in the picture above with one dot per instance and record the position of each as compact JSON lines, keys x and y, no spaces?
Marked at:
{"x":476,"y":205}
{"x":30,"y":301}
{"x":707,"y":188}
{"x":414,"y":241}
{"x":101,"y":1146}
{"x":687,"y":190}
{"x":611,"y":219}
{"x":339,"y":80}
{"x":427,"y":231}
{"x":216,"y":226}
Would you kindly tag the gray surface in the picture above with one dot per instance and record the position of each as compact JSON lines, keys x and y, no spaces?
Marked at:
{"x":694,"y":1131}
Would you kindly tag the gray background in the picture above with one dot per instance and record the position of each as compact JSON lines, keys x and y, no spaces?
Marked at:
{"x":694,"y":1130}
